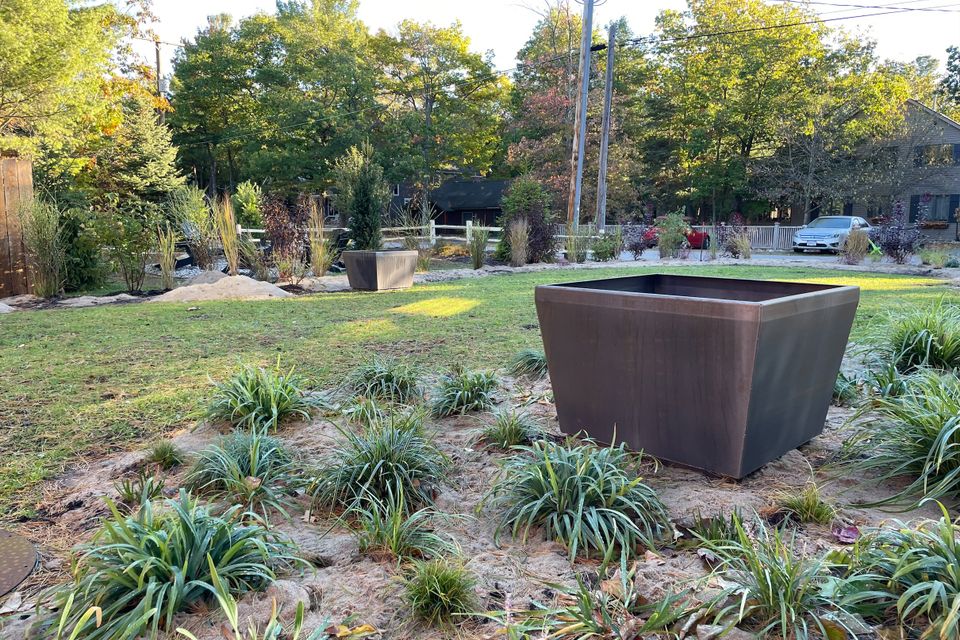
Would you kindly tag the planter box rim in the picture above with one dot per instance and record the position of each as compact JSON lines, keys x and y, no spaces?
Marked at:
{"x":583,"y":287}
{"x":380,"y":251}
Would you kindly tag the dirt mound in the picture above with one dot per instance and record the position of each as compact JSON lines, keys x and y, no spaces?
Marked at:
{"x":226,"y":288}
{"x":207,"y":277}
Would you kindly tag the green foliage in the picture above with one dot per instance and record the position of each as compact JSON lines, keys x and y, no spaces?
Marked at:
{"x":165,"y":455}
{"x":127,"y":232}
{"x":362,"y":196}
{"x":226,"y":226}
{"x":139,"y":490}
{"x":910,"y":569}
{"x":387,"y":380}
{"x":253,"y":258}
{"x":774,"y":589}
{"x":142,"y":570}
{"x":672,"y":232}
{"x":260,"y":398}
{"x":461,"y":391}
{"x":379,"y":462}
{"x":608,"y":246}
{"x":440,"y":590}
{"x":913,"y":435}
{"x":845,"y":390}
{"x":364,"y":411}
{"x":323,"y":250}
{"x":713,"y":529}
{"x":511,"y":428}
{"x":528,"y":200}
{"x":578,"y":244}
{"x":167,"y":250}
{"x":936,"y":258}
{"x":188,"y":208}
{"x":83,"y":262}
{"x":885,"y":380}
{"x":247,"y":203}
{"x":586,"y":497}
{"x":478,"y":247}
{"x":529,"y":362}
{"x":43,"y":237}
{"x":806,"y":505}
{"x":386,"y":527}
{"x":925,"y":336}
{"x":246,"y":468}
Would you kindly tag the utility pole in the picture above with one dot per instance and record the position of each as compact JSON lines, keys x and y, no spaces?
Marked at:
{"x":605,"y":134}
{"x":156,"y":49}
{"x":580,"y":123}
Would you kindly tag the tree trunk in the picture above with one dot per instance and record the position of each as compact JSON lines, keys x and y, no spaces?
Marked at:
{"x":212,"y":184}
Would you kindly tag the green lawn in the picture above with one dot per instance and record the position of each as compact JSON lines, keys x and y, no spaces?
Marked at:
{"x":84,"y":381}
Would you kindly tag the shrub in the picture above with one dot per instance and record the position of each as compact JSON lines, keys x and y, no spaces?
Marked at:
{"x":511,"y":428}
{"x":139,"y":490}
{"x":634,"y":239}
{"x":910,"y":569}
{"x":247,"y":203}
{"x":167,"y":248}
{"x":774,"y":589}
{"x":385,"y":528}
{"x":246,"y":468}
{"x":740,"y":246}
{"x":142,"y":570}
{"x":925,"y":336}
{"x":386,"y":380}
{"x":586,"y":497}
{"x":226,"y":226}
{"x":529,"y":362}
{"x":188,"y":207}
{"x":362,"y":196}
{"x":913,"y":435}
{"x":528,"y":199}
{"x":856,"y":247}
{"x":672,"y":232}
{"x":43,"y":237}
{"x":285,"y":226}
{"x":260,"y":398}
{"x":323,"y":251}
{"x":440,"y":589}
{"x":461,"y":391}
{"x":518,"y":232}
{"x":578,"y":244}
{"x":844,"y":390}
{"x":806,"y":505}
{"x":165,"y":455}
{"x":128,"y":235}
{"x":895,"y":236}
{"x":83,"y":265}
{"x":936,"y":258}
{"x":364,"y":411}
{"x":291,"y":266}
{"x":452,"y":250}
{"x":608,"y":246}
{"x":478,"y":247}
{"x":381,"y":463}
{"x":733,"y":237}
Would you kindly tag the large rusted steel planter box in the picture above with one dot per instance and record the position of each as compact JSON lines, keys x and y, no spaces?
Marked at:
{"x":378,"y":270}
{"x":719,"y":374}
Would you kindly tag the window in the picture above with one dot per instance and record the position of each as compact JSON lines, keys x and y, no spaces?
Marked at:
{"x":396,"y":190}
{"x":936,"y":155}
{"x":935,"y":208}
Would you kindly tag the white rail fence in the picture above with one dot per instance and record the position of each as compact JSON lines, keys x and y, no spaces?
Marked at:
{"x":775,"y":237}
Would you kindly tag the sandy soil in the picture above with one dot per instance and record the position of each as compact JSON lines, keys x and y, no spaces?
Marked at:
{"x":344,"y":585}
{"x":223,"y":288}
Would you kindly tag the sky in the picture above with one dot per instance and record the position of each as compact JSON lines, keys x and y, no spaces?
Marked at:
{"x":502,"y":26}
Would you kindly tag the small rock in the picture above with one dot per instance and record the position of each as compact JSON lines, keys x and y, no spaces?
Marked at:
{"x":5,"y":308}
{"x":714,"y":631}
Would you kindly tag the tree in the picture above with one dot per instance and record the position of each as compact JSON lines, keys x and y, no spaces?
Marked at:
{"x":445,"y":103}
{"x":949,"y":88}
{"x":362,"y":196}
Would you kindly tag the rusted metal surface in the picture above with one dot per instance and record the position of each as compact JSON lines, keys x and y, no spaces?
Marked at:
{"x":719,"y":374}
{"x":378,"y":270}
{"x":18,"y":559}
{"x":16,"y":188}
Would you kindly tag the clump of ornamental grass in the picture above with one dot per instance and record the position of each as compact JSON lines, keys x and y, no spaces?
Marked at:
{"x":805,"y":505}
{"x":703,"y":530}
{"x":912,"y":436}
{"x":440,"y":590}
{"x":461,"y":391}
{"x":597,"y":613}
{"x":509,"y":429}
{"x":385,"y":528}
{"x":246,"y":468}
{"x":323,"y":250}
{"x":226,"y":224}
{"x":884,"y":380}
{"x":364,"y":411}
{"x":165,"y":455}
{"x":140,"y":489}
{"x":143,"y":570}
{"x":588,"y":498}
{"x":260,"y":398}
{"x":773,"y":589}
{"x":43,"y":235}
{"x":531,"y":363}
{"x":478,"y":247}
{"x":379,"y":462}
{"x":386,"y":380}
{"x":926,"y":336}
{"x":845,"y":390}
{"x":519,"y":234}
{"x":167,"y":249}
{"x":908,"y":571}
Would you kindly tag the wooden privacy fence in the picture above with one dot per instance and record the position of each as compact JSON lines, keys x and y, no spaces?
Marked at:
{"x":16,"y":187}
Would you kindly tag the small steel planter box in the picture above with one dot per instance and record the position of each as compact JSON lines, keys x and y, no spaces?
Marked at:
{"x":718,"y":374}
{"x":378,"y":270}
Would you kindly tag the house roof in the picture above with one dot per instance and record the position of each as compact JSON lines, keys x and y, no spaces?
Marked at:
{"x":468,"y":195}
{"x":943,"y":118}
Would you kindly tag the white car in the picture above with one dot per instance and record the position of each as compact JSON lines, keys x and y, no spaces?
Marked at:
{"x":827,"y":233}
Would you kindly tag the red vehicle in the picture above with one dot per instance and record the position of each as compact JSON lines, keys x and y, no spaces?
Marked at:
{"x":697,"y":239}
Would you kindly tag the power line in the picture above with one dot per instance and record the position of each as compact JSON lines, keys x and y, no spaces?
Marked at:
{"x":936,"y":9}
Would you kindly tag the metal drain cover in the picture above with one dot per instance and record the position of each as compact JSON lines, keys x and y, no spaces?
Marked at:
{"x":18,"y":559}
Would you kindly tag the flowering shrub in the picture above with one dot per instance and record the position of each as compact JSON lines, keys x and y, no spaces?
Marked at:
{"x":895,"y":236}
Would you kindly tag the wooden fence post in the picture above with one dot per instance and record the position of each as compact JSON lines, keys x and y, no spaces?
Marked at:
{"x":776,"y":236}
{"x":433,"y":233}
{"x":16,"y":187}
{"x":469,"y":230}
